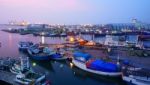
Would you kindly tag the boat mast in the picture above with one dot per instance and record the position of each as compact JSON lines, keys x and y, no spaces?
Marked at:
{"x":25,"y":63}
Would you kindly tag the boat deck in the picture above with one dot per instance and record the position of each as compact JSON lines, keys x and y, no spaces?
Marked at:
{"x":8,"y":77}
{"x":141,"y":72}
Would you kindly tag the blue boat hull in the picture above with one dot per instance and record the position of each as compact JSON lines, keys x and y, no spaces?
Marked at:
{"x":23,"y":49}
{"x":40,"y":57}
{"x":55,"y":56}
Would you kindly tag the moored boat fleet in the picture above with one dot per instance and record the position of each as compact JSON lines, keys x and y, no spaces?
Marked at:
{"x":87,"y":63}
{"x":39,"y":52}
{"x":130,"y":74}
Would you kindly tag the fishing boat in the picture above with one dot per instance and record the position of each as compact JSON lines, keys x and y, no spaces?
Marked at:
{"x":100,"y":67}
{"x":122,"y":38}
{"x":63,"y":35}
{"x":23,"y":46}
{"x":39,"y":53}
{"x":36,"y":34}
{"x":117,"y":34}
{"x":29,"y":78}
{"x":57,"y":56}
{"x":81,"y":41}
{"x":144,"y":37}
{"x":90,"y":43}
{"x":24,"y":74}
{"x":53,"y":35}
{"x":99,"y":34}
{"x":137,"y":76}
{"x":21,"y":80}
{"x":22,"y":66}
{"x":16,"y":69}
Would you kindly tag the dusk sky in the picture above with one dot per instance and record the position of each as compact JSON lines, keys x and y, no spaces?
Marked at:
{"x":74,"y":11}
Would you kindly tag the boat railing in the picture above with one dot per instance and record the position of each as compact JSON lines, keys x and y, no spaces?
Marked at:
{"x":137,"y":72}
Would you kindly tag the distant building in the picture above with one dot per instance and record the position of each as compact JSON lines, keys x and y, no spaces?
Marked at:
{"x":37,"y":27}
{"x":140,"y":25}
{"x":120,"y":26}
{"x":134,"y":25}
{"x":128,"y":26}
{"x":134,"y":20}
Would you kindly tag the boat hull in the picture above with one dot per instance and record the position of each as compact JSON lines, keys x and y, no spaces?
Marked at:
{"x":23,"y":49}
{"x":38,"y":57}
{"x":63,"y":58}
{"x":57,"y":57}
{"x":144,"y":37}
{"x":23,"y":46}
{"x":83,"y":67}
{"x":63,"y":35}
{"x":134,"y":81}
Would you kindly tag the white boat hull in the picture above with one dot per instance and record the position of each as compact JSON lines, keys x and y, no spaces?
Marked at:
{"x":27,"y":82}
{"x":135,"y":81}
{"x":13,"y":70}
{"x":83,"y":67}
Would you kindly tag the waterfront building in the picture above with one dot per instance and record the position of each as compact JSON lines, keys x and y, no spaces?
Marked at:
{"x":37,"y":27}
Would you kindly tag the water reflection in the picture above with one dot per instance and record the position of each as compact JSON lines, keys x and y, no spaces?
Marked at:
{"x":10,"y":40}
{"x":43,"y":40}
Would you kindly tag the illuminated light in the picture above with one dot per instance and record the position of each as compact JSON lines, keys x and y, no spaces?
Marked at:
{"x":71,"y":39}
{"x":34,"y":64}
{"x":109,"y":49}
{"x":23,"y":23}
{"x":71,"y":65}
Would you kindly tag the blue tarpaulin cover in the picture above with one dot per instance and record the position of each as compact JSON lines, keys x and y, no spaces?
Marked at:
{"x":103,"y":66}
{"x":80,"y":56}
